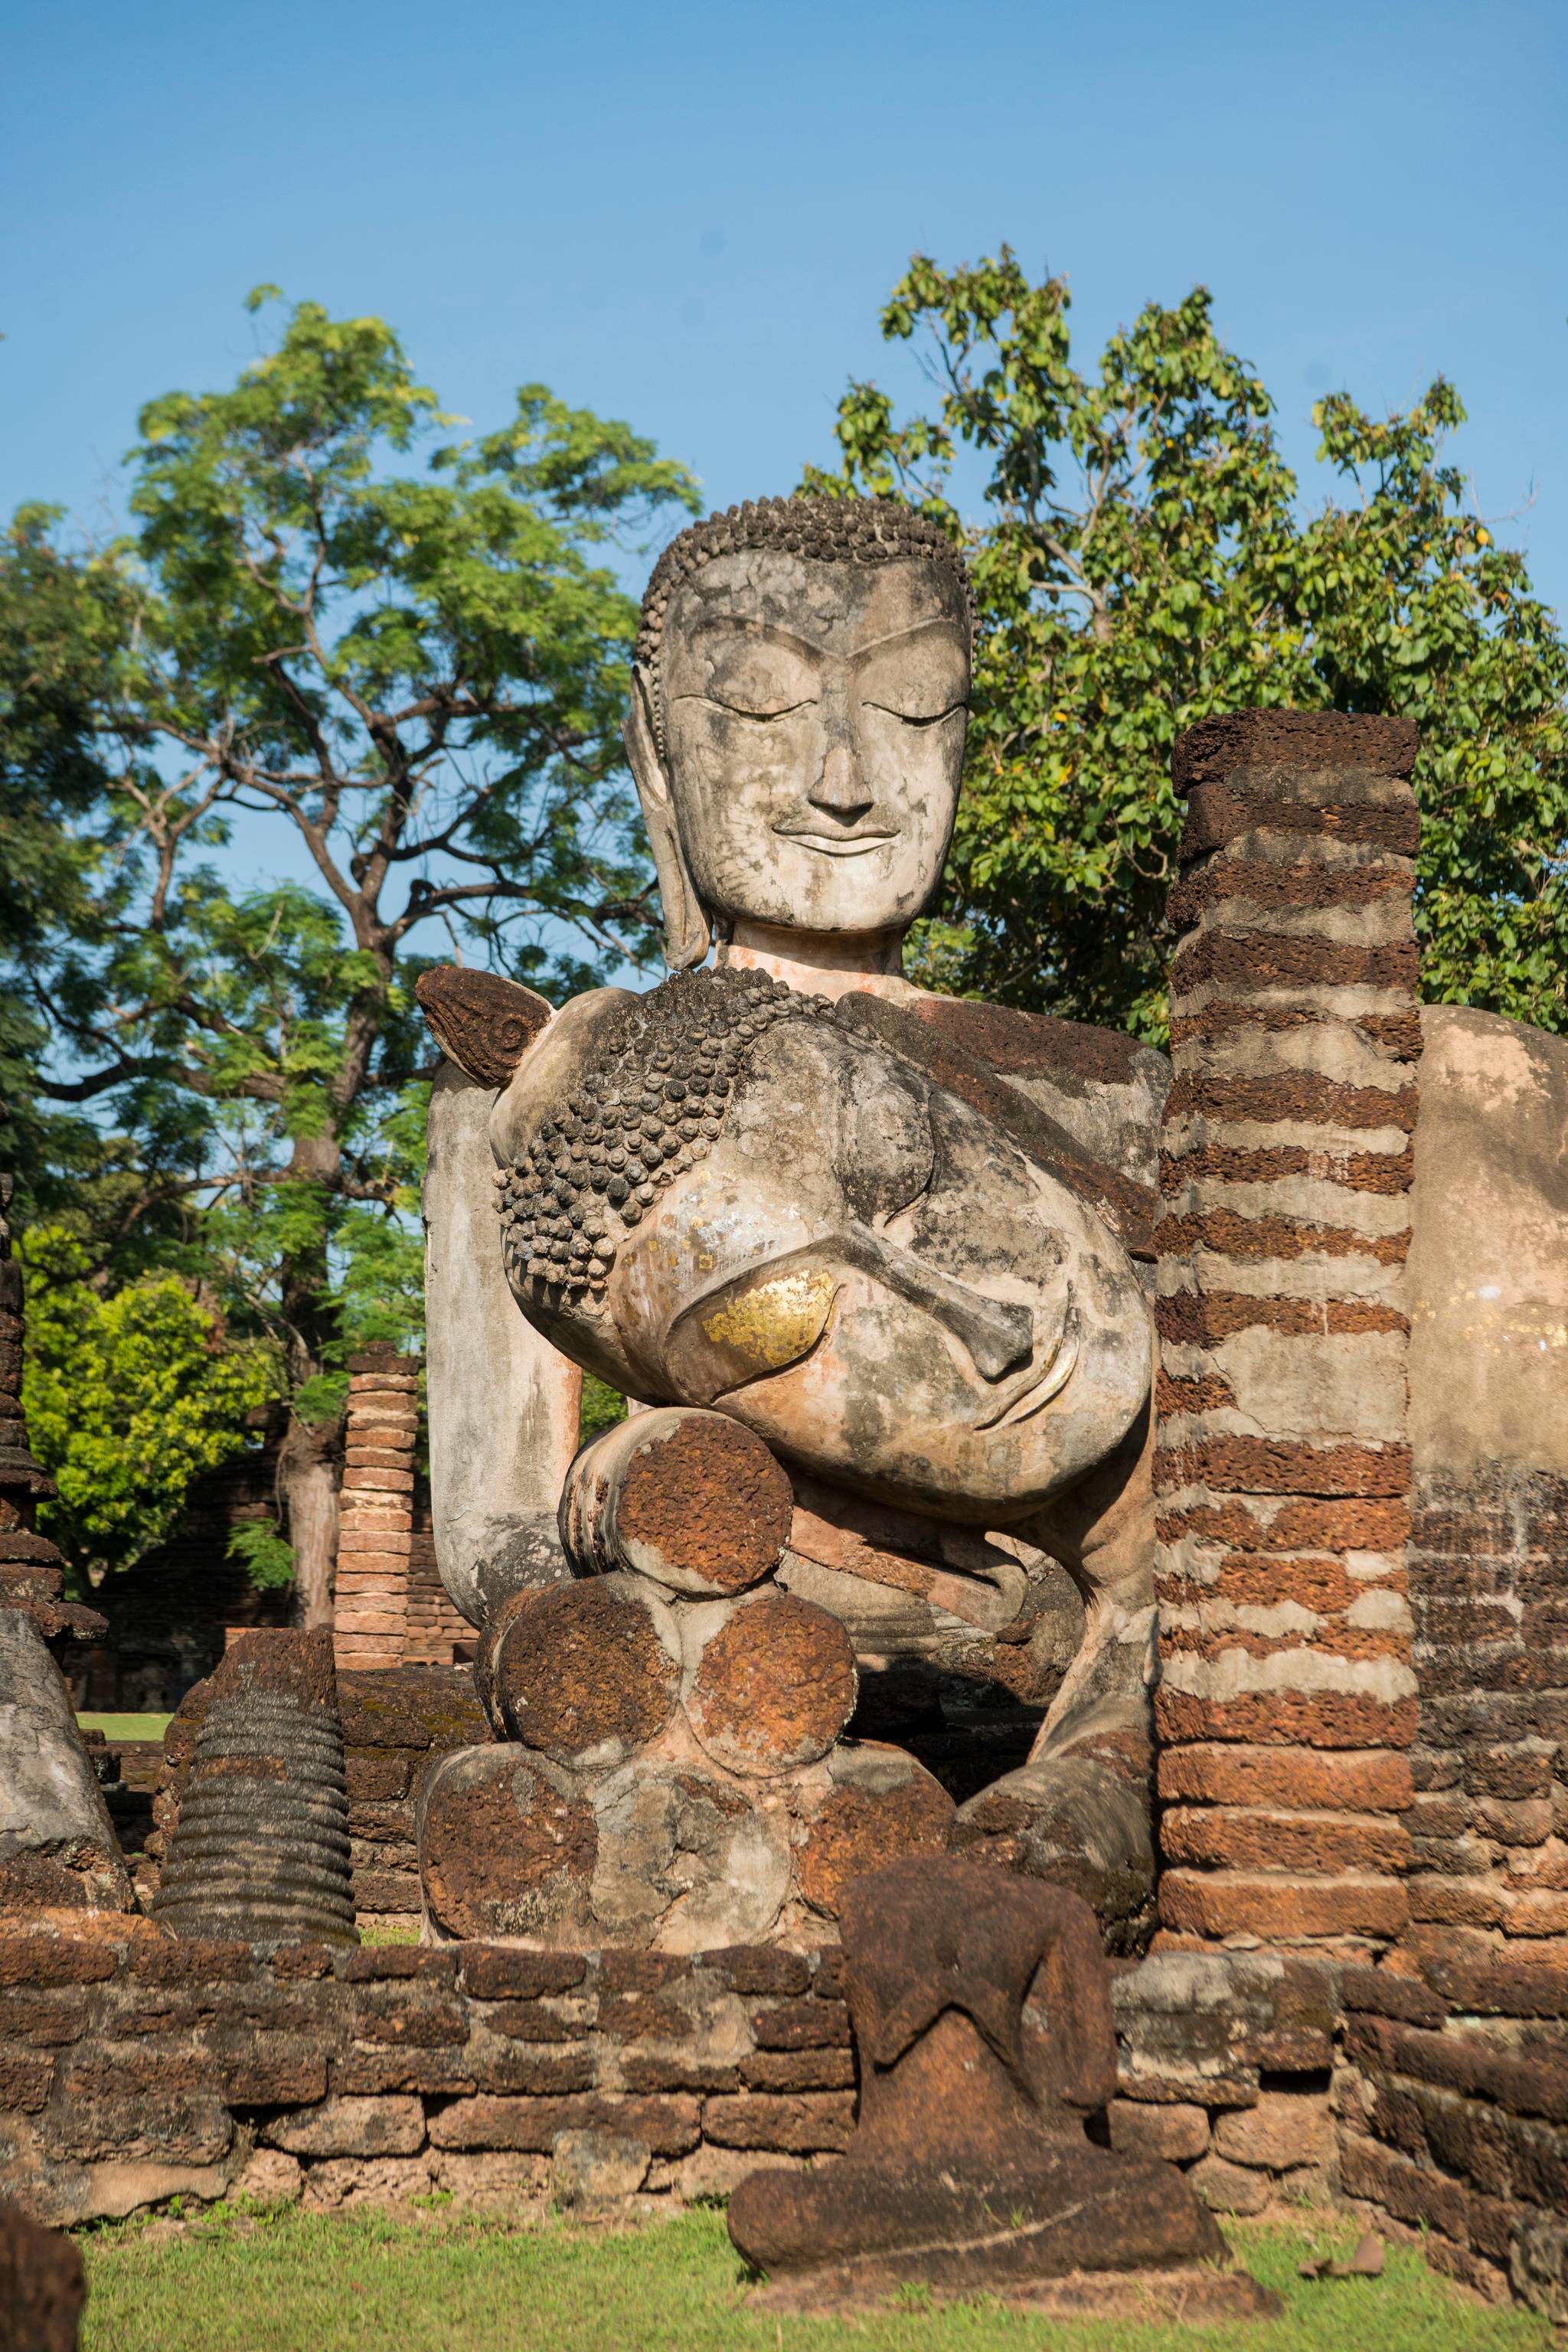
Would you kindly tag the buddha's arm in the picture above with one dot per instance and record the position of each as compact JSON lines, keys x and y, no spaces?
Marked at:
{"x":503,"y":1404}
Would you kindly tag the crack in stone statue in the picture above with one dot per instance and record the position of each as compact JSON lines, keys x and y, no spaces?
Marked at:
{"x":765,"y":1192}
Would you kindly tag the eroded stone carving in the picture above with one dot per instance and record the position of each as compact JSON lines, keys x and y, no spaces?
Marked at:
{"x":773,"y":1190}
{"x":260,"y":1850}
{"x":980,"y":2011}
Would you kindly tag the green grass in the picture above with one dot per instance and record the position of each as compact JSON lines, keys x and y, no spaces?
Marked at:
{"x":440,"y":2282}
{"x":127,"y":1727}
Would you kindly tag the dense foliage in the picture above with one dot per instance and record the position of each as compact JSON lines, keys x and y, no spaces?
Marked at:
{"x":344,"y":701}
{"x":128,"y":1397}
{"x":1141,"y":560}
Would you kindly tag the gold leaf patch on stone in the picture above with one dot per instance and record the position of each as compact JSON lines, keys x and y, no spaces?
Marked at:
{"x":775,"y":1321}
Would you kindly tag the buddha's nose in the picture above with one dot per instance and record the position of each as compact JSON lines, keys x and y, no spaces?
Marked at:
{"x":841,"y":789}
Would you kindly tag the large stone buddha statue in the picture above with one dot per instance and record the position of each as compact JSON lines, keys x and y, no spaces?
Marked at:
{"x":891,"y":1236}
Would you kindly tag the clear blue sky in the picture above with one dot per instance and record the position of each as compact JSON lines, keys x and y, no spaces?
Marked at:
{"x":689,"y":214}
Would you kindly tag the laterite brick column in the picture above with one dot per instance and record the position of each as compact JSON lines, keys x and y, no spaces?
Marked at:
{"x":437,"y":1631}
{"x":1287,"y":1698}
{"x":376,"y":1526}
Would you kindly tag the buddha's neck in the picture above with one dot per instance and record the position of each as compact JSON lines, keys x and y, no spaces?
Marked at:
{"x":823,"y":963}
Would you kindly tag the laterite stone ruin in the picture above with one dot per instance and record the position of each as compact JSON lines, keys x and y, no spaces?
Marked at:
{"x":1057,"y":1691}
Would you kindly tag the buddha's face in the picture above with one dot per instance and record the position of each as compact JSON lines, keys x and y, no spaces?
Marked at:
{"x":814,"y":722}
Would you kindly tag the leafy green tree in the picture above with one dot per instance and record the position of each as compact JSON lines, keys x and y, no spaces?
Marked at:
{"x":1141,"y":561}
{"x":128,"y":1397}
{"x":341,"y":636}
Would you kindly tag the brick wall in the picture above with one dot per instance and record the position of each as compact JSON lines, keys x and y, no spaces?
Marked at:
{"x":133,"y":2068}
{"x":1489,"y":1589}
{"x":437,"y":1634}
{"x":1453,"y":2111}
{"x":1287,"y":1696}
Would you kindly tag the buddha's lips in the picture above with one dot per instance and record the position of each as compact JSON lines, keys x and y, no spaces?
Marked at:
{"x":834,"y":844}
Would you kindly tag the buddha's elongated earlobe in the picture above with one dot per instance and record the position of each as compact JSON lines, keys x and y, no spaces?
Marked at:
{"x":687,"y":931}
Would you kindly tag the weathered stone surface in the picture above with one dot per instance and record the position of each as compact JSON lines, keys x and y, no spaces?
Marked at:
{"x":773,"y":1682}
{"x":982,"y":2024}
{"x":1083,"y":1133}
{"x":748,"y":1968}
{"x":597,"y":2167}
{"x":1538,"y":2263}
{"x":1228,"y":2188}
{"x":1175,"y":2134}
{"x":587,"y":1674}
{"x":1284,"y":2130}
{"x":1217,"y":748}
{"x":271,"y":2178}
{"x":798,"y":2124}
{"x":261,"y":1846}
{"x":669,"y":2127}
{"x":495,"y":2178}
{"x":879,"y":1807}
{"x":267,"y":2077}
{"x":1078,"y":1822}
{"x":503,"y":1404}
{"x":58,"y":1846}
{"x":511,"y":2067}
{"x":685,"y":1857}
{"x":482,"y":1021}
{"x":158,"y":2104}
{"x":684,"y":1313}
{"x":507,"y":1846}
{"x":391,"y":2125}
{"x":798,"y":2070}
{"x":1237,"y":1775}
{"x":492,"y":1975}
{"x":1281,"y":1910}
{"x":688,"y":1498}
{"x":340,"y":2182}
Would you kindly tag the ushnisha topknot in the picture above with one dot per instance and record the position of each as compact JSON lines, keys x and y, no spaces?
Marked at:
{"x":827,"y":530}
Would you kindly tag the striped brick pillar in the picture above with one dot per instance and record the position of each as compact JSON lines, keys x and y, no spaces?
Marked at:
{"x":1286,"y":1699}
{"x":376,"y":1533}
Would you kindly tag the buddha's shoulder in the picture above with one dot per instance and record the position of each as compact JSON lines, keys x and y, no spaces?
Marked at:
{"x":573,"y":1039}
{"x":1103,"y":1087}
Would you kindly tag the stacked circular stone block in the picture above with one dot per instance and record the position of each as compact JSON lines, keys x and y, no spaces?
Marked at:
{"x":1287,"y":1698}
{"x":375,"y":1532}
{"x":260,"y":1850}
{"x":675,"y":1773}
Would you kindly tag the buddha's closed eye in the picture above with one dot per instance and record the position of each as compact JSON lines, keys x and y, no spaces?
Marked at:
{"x":922,"y":719}
{"x":762,"y":712}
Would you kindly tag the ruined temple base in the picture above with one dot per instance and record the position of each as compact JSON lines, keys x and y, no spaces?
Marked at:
{"x":1203,"y":2296}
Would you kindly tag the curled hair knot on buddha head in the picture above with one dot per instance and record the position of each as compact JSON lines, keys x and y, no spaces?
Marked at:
{"x":820,"y":530}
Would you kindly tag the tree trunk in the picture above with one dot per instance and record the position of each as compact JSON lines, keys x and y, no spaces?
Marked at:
{"x":309,"y":1471}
